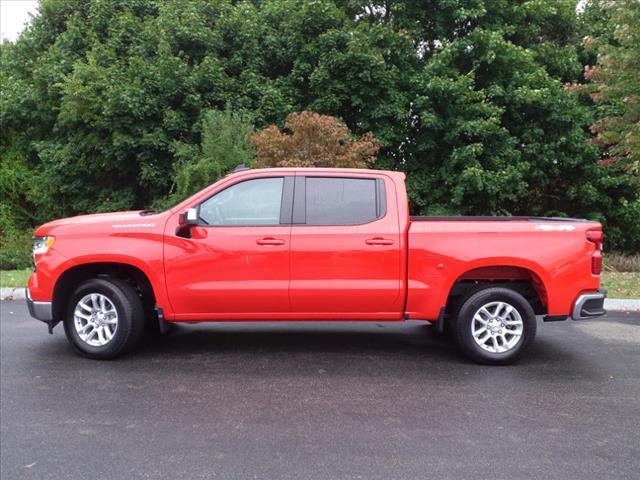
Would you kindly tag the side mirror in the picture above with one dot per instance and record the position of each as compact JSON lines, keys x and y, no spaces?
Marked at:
{"x":188,"y":218}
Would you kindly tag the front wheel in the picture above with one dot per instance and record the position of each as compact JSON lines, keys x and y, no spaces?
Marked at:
{"x":104,"y":318}
{"x":495,"y":325}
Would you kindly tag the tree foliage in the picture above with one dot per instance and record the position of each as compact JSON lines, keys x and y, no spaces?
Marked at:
{"x":313,"y":140}
{"x":104,"y":103}
{"x":225,"y":145}
{"x":616,"y":84}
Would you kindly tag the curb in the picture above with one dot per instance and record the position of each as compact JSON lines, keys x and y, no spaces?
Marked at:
{"x":622,"y":304}
{"x":613,"y":304}
{"x":12,"y":293}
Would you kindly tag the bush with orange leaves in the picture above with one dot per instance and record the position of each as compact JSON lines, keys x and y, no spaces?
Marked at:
{"x":313,"y":140}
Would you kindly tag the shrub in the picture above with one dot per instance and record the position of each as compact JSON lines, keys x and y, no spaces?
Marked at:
{"x":313,"y":140}
{"x":15,"y":243}
{"x":619,"y":262}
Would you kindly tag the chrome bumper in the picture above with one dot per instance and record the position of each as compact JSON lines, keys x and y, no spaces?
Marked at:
{"x":589,"y":305}
{"x":42,"y":311}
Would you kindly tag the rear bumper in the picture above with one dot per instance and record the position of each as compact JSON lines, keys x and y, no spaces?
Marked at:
{"x":589,"y":305}
{"x":42,"y":311}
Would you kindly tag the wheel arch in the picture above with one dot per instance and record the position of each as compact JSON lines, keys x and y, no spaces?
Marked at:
{"x":69,"y":280}
{"x":521,"y":279}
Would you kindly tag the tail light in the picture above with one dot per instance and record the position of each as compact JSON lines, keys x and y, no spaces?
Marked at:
{"x":595,"y":237}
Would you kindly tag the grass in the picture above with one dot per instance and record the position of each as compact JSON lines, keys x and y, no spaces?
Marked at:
{"x":621,"y":276}
{"x":621,"y":284}
{"x":14,"y":278}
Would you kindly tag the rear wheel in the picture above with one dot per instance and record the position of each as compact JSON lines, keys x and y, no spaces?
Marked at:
{"x":495,"y":325}
{"x":104,"y":318}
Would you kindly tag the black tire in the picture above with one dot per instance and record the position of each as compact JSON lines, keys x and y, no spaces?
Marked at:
{"x":472,"y":303}
{"x":131,"y":319}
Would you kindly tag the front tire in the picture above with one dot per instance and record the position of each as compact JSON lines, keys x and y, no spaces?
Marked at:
{"x":104,"y":318}
{"x":495,"y":325}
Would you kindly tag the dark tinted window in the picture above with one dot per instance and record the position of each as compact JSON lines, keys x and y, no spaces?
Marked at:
{"x":254,"y":202}
{"x":341,"y":201}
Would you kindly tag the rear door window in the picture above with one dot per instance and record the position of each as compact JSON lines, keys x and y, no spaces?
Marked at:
{"x":342,"y":201}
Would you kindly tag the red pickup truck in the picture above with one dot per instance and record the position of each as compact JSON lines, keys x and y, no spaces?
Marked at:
{"x":312,"y":244}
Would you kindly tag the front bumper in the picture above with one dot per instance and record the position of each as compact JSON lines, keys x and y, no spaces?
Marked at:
{"x":42,"y":311}
{"x":589,"y":305}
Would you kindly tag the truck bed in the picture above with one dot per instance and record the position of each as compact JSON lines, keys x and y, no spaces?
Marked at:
{"x":550,"y":252}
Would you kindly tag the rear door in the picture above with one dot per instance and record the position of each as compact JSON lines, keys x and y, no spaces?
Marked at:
{"x":345,"y":247}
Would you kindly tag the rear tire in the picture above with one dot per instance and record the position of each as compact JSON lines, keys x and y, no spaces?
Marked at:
{"x":494,"y":325}
{"x":104,"y":318}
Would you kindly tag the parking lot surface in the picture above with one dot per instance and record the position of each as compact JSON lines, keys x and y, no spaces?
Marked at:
{"x":320,"y":401}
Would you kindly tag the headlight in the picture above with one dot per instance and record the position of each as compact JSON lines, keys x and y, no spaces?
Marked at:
{"x":42,"y":245}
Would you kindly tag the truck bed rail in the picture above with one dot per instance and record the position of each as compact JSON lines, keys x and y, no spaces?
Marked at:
{"x":493,"y":219}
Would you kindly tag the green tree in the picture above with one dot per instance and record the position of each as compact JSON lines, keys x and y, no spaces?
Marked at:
{"x":615,"y":84}
{"x":609,"y":51}
{"x":495,"y":133}
{"x":225,"y":145}
{"x":103,"y":103}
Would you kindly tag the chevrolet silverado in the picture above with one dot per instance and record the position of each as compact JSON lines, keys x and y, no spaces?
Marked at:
{"x":317,"y":244}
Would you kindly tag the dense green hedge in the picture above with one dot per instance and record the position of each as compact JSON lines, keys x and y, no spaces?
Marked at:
{"x":15,"y":242}
{"x":104,"y":103}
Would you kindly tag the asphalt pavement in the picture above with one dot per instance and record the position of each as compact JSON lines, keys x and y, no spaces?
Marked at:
{"x":320,"y":401}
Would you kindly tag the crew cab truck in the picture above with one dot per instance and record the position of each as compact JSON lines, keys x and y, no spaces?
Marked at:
{"x":315,"y":244}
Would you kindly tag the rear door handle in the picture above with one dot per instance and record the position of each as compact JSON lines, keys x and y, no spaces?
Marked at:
{"x":379,"y":241}
{"x":270,"y":241}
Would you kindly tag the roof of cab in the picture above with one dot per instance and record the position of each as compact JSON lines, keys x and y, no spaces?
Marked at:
{"x":241,"y":169}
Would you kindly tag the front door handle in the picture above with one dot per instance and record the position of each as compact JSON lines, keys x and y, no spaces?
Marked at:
{"x":270,"y":241}
{"x":379,"y":241}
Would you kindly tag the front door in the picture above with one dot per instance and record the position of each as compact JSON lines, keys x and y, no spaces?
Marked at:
{"x":236,"y":263}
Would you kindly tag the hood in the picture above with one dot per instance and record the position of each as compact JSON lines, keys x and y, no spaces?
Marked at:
{"x":114,"y":220}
